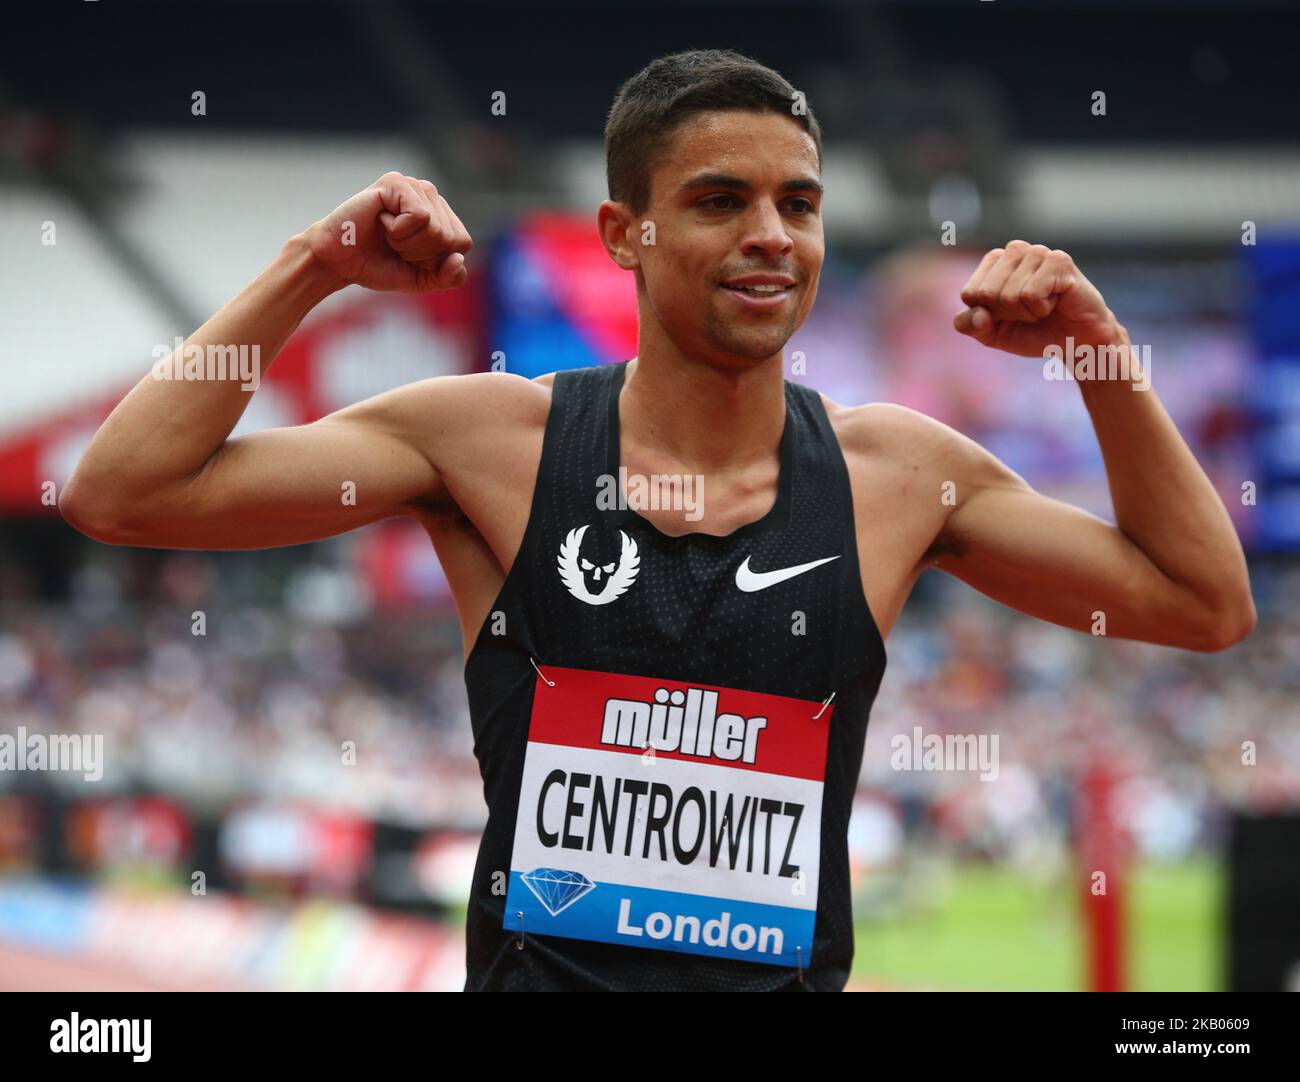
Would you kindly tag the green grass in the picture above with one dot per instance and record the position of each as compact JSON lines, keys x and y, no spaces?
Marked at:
{"x":987,"y":927}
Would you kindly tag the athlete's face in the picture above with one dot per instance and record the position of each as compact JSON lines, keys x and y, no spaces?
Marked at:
{"x":736,"y":199}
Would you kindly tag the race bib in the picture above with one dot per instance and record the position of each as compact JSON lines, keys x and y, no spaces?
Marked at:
{"x":670,"y":815}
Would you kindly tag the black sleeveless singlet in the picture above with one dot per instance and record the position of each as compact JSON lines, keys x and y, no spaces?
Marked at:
{"x":668,"y":787}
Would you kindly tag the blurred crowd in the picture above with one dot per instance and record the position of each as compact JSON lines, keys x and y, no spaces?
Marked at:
{"x":216,"y":678}
{"x":1181,"y":738}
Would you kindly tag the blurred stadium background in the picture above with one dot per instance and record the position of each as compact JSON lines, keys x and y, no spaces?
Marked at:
{"x":126,"y":219}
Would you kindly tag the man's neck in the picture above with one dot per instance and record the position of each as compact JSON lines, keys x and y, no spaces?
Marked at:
{"x":699,"y":418}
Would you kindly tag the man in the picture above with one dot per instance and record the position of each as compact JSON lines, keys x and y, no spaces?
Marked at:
{"x":669,"y":703}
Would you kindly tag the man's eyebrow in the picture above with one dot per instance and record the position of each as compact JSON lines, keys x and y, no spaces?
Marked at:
{"x":722,"y":180}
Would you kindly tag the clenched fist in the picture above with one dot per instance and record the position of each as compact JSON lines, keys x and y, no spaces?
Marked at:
{"x":1026,"y":297}
{"x":398,"y":234}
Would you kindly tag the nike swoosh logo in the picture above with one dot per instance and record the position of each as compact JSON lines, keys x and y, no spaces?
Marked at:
{"x":749,"y":581}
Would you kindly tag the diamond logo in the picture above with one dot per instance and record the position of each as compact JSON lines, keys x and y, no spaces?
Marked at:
{"x":555,"y":888}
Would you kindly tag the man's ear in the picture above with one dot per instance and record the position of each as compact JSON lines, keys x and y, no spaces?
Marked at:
{"x":620,"y":233}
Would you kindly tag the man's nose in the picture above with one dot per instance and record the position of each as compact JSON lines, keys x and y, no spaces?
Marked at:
{"x":767,"y":232}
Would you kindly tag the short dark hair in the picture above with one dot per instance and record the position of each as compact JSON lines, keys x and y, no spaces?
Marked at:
{"x":650,"y":105}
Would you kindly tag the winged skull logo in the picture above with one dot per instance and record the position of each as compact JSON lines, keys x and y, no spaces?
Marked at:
{"x":616,"y":578}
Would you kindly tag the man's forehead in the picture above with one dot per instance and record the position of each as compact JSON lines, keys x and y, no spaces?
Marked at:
{"x":741,"y":144}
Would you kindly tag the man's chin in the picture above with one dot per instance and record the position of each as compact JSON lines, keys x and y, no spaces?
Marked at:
{"x":752,"y":347}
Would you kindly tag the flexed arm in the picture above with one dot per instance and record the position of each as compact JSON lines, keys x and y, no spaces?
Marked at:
{"x":162,"y":470}
{"x":1171,"y":569}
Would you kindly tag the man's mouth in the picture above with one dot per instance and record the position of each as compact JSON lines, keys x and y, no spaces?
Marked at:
{"x":760,"y":290}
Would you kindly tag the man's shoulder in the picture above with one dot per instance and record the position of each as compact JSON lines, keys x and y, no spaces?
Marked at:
{"x":490,"y":392}
{"x":588,"y":371}
{"x":885,"y":434}
{"x":441,"y":410}
{"x":476,"y":398}
{"x":888,"y":430}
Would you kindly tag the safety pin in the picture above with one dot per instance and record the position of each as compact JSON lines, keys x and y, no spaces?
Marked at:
{"x":824,"y":706}
{"x":799,"y":952}
{"x":519,"y":943}
{"x":549,"y":683}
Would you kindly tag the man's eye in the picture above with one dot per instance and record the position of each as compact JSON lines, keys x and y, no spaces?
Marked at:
{"x":713,"y":199}
{"x":806,"y":208}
